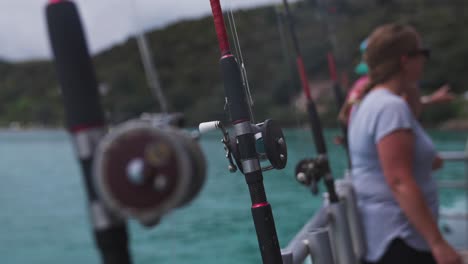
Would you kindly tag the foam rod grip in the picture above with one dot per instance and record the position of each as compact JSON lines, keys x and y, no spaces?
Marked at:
{"x":234,"y":89}
{"x":74,"y":66}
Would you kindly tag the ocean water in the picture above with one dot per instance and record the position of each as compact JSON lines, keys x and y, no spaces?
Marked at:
{"x":43,"y":216}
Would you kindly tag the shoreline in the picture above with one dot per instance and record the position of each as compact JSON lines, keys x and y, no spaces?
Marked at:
{"x":458,"y":125}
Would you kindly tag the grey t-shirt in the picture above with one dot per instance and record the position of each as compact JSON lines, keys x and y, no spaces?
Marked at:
{"x":379,"y":114}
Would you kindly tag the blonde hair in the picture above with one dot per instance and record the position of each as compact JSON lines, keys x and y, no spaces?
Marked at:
{"x":385,"y":47}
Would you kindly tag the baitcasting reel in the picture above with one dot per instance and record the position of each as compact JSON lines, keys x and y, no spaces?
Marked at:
{"x":270,"y":144}
{"x":146,"y":167}
{"x":310,"y":171}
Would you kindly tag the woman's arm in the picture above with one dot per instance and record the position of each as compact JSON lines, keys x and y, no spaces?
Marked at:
{"x":395,"y":155}
{"x":418,"y":103}
{"x":440,"y":96}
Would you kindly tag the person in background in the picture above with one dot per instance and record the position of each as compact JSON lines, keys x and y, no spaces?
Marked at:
{"x":393,"y":157}
{"x":418,"y":103}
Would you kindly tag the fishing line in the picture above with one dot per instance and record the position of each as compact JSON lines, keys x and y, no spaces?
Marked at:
{"x":303,"y":126}
{"x":238,"y":53}
{"x":147,"y":60}
{"x":241,"y":57}
{"x":280,"y":19}
{"x":233,"y":30}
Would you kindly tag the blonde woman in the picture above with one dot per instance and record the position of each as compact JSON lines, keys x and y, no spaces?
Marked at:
{"x":393,"y":157}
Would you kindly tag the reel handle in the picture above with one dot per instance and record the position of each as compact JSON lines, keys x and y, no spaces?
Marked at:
{"x":209,"y":126}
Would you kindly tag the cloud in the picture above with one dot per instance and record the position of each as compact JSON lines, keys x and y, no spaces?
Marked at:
{"x":23,"y":32}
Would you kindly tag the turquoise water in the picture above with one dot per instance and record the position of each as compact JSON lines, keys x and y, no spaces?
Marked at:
{"x":43,"y":217}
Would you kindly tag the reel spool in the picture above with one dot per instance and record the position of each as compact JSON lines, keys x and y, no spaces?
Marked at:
{"x":270,"y":144}
{"x":143,"y":172}
{"x":274,"y":144}
{"x":309,"y":172}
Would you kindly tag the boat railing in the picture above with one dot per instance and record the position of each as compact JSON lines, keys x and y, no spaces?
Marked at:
{"x":456,"y":156}
{"x":333,"y":235}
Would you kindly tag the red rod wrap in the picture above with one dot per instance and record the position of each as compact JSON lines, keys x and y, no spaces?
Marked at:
{"x":219,"y":25}
{"x":332,"y":66}
{"x":303,"y":75}
{"x":260,"y":205}
{"x":55,"y":1}
{"x":85,"y":127}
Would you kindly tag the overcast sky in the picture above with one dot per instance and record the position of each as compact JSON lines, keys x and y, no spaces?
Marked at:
{"x":23,"y":33}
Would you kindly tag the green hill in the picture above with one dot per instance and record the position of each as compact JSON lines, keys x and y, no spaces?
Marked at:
{"x":186,"y":56}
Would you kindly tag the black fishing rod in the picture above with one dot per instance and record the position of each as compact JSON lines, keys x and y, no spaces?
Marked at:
{"x":143,"y":168}
{"x":339,"y":99}
{"x":85,"y":120}
{"x":310,"y":171}
{"x":243,"y":143}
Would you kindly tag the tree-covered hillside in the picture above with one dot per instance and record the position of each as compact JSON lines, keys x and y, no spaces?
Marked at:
{"x":186,"y":56}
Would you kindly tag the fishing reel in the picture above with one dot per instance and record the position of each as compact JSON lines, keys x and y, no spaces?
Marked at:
{"x":270,"y":144}
{"x":310,"y":171}
{"x":146,"y":167}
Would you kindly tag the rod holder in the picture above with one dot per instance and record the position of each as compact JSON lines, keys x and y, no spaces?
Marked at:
{"x":313,"y":245}
{"x":346,"y":191}
{"x":340,"y":233}
{"x":320,"y":247}
{"x":287,"y":256}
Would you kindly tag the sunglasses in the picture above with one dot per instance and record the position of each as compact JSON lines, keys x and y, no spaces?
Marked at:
{"x":422,"y":51}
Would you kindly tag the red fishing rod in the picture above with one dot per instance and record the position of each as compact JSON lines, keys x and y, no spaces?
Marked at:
{"x":85,"y":120}
{"x":247,"y":156}
{"x":310,"y":171}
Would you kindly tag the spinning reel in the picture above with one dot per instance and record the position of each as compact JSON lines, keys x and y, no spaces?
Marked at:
{"x":310,"y":171}
{"x":270,"y":144}
{"x":146,"y":167}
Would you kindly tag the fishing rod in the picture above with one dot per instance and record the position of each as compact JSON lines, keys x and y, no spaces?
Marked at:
{"x":340,"y":100}
{"x":85,"y":120}
{"x":141,"y":169}
{"x":310,"y":171}
{"x":242,"y":144}
{"x":338,"y":92}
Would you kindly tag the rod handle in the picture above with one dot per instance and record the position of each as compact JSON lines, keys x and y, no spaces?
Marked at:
{"x":266,"y":234}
